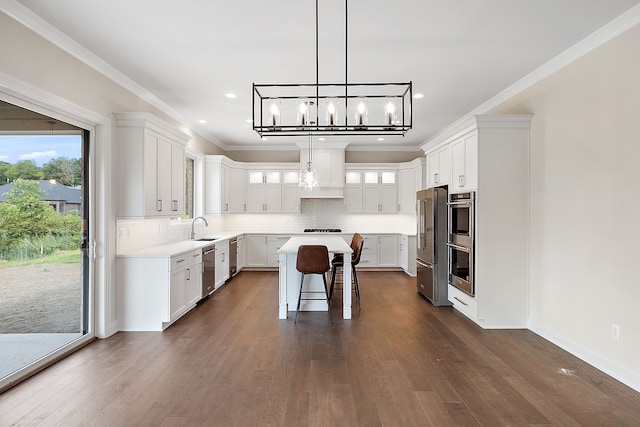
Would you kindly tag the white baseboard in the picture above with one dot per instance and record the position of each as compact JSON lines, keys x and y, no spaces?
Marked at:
{"x":621,"y":374}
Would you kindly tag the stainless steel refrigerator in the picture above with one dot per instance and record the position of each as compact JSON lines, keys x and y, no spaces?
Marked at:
{"x":431,"y":248}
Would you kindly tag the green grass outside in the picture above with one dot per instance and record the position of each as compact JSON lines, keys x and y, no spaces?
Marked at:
{"x":59,"y":257}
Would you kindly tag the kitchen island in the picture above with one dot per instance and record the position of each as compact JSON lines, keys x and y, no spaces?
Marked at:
{"x":290,"y":277}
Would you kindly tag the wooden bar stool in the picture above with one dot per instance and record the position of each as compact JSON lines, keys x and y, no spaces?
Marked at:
{"x":313,"y":259}
{"x":357,"y":242}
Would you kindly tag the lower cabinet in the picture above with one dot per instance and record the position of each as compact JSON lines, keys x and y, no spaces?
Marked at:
{"x":155,"y":291}
{"x":274,"y":243}
{"x":222,"y":263}
{"x":256,"y":250}
{"x":380,"y":250}
{"x":408,"y":254}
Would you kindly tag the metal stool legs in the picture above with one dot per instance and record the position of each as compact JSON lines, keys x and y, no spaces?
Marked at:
{"x":334,"y":270}
{"x":326,"y":294}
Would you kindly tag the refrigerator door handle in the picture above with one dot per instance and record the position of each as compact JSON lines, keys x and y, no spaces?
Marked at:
{"x":423,"y":264}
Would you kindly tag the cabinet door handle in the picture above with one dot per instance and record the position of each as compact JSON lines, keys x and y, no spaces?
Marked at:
{"x":179,"y":261}
{"x":461,"y":180}
{"x":435,"y":178}
{"x":226,"y":207}
{"x":174,"y":205}
{"x":159,"y":205}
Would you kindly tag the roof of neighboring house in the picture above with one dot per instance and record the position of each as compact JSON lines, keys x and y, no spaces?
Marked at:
{"x":53,"y":192}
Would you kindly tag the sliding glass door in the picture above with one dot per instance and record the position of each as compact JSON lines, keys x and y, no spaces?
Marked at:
{"x":45,"y":283}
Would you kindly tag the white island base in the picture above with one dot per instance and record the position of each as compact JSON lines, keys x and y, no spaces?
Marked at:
{"x":290,"y":277}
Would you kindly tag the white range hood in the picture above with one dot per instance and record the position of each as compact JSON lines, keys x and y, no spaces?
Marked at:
{"x":328,"y":160}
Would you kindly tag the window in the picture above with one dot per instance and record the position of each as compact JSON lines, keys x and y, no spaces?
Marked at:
{"x":189,"y":200}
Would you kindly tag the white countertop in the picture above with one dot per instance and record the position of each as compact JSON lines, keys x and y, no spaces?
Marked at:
{"x":333,"y":243}
{"x":177,"y":248}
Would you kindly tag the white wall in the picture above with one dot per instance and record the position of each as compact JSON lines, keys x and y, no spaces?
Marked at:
{"x":585,"y":205}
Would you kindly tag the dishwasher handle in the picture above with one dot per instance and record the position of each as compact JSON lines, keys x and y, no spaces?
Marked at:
{"x":209,"y":251}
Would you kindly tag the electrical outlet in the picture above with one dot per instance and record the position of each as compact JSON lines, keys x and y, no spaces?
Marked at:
{"x":615,"y":331}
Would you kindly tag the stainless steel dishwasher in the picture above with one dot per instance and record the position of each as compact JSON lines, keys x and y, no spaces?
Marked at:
{"x":208,"y":269}
{"x":233,"y":257}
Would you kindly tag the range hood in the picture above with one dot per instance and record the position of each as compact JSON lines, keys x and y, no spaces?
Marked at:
{"x":328,"y":160}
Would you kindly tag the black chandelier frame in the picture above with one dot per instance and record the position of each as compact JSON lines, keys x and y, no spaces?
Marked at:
{"x":346,"y":95}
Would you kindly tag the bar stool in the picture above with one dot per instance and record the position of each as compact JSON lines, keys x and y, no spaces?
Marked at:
{"x":313,"y":259}
{"x":357,"y":242}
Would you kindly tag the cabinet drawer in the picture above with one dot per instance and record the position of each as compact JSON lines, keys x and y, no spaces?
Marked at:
{"x":183,"y":260}
{"x":274,"y":243}
{"x":464,"y":303}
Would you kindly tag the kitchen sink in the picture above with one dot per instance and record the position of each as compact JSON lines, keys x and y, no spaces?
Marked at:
{"x":207,"y":239}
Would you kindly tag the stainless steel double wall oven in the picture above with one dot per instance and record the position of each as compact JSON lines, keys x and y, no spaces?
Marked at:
{"x":461,"y":241}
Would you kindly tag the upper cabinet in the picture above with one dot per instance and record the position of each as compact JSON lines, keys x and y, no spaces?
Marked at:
{"x":380,"y":191}
{"x":225,"y":188}
{"x":150,"y":156}
{"x":464,"y":163}
{"x":439,"y":167}
{"x":409,"y":182}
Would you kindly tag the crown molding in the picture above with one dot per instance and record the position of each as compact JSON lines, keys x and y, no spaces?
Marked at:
{"x":35,"y":23}
{"x":606,"y":33}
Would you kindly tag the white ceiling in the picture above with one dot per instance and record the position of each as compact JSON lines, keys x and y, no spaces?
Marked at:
{"x":189,"y":53}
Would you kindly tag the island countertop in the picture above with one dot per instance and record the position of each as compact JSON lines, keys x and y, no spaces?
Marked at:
{"x":333,"y":243}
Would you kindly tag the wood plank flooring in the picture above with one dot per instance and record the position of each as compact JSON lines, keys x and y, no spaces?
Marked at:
{"x":399,"y":362}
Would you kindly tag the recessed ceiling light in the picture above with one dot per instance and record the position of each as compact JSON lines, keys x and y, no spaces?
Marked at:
{"x":202,"y":121}
{"x":231,"y":95}
{"x":320,"y":139}
{"x":264,"y":138}
{"x":380,"y":139}
{"x":418,"y":95}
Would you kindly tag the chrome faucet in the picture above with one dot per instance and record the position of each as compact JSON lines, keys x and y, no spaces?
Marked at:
{"x":193,"y":224}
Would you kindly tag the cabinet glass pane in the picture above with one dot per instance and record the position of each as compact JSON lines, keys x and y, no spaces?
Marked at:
{"x":290,"y":177}
{"x":255,"y":177}
{"x":371,"y":177}
{"x":388,"y":177}
{"x":273,"y":177}
{"x":353,"y":177}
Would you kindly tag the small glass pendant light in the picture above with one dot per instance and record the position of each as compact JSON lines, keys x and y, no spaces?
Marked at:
{"x":308,"y":176}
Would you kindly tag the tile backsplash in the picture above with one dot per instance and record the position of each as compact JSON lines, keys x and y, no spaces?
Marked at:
{"x":315,"y":213}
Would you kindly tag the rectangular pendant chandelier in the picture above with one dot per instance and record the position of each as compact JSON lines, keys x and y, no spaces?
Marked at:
{"x":332,"y":108}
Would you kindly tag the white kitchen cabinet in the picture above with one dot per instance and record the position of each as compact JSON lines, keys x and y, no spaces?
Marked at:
{"x":379,"y":192}
{"x":290,"y":192}
{"x":408,"y":254}
{"x":353,"y":191}
{"x":439,"y":167}
{"x":185,"y":283}
{"x":264,"y":191}
{"x":242,"y":253}
{"x":274,"y":243}
{"x":150,"y":159}
{"x":464,"y":164}
{"x":256,"y":250}
{"x":225,"y":186}
{"x":222,"y":263}
{"x":369,"y":256}
{"x":491,"y":154}
{"x":154,"y":291}
{"x":388,"y":250}
{"x":380,"y":250}
{"x":409,"y":182}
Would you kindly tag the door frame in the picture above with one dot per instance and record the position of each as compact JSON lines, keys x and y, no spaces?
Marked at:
{"x":101,"y":323}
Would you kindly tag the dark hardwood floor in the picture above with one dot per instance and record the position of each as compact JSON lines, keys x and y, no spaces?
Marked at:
{"x":399,"y":362}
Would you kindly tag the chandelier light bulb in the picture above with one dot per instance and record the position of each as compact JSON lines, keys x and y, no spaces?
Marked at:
{"x":331,"y":114}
